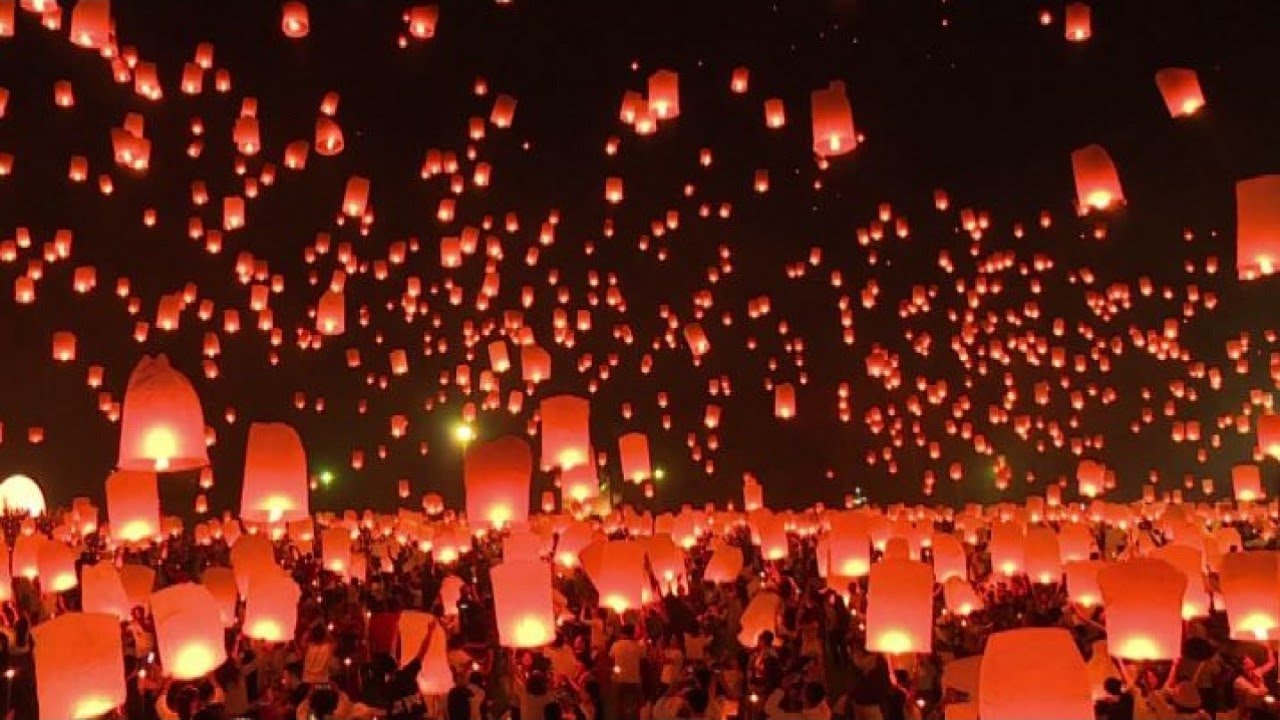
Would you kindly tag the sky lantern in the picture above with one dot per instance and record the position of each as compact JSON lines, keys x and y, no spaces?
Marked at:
{"x":1257,"y":226}
{"x":848,"y":547}
{"x":335,"y":542}
{"x":138,"y":581}
{"x":580,"y":482}
{"x":503,"y":112}
{"x":499,"y":359}
{"x":725,"y":564}
{"x":633,"y":449}
{"x":102,"y":592}
{"x":21,"y":495}
{"x":949,"y":558}
{"x":664,"y":95}
{"x":959,"y":597}
{"x":1143,"y":600}
{"x":1246,"y":483}
{"x":56,"y":567}
{"x":356,"y":198}
{"x":697,"y":340}
{"x":1082,"y":582}
{"x":566,"y":439}
{"x":784,"y":401}
{"x":496,"y":476}
{"x":522,"y":603}
{"x":775,"y":113}
{"x":769,"y":530}
{"x":758,"y":617}
{"x":833,"y":132}
{"x":1180,"y":88}
{"x":1079,"y":25}
{"x":78,"y":668}
{"x":1248,"y":581}
{"x":900,"y":607}
{"x":64,"y":346}
{"x":535,"y":364}
{"x":1097,"y":182}
{"x":221,"y":584}
{"x":1268,"y":429}
{"x":752,"y":494}
{"x":328,"y":139}
{"x":189,"y":631}
{"x":1011,"y":677}
{"x":1090,"y":478}
{"x":295,"y":19}
{"x":422,"y":20}
{"x":1190,"y":562}
{"x":162,"y":424}
{"x":26,"y":555}
{"x":617,"y":570}
{"x":133,"y":505}
{"x":331,"y":314}
{"x":1008,"y":548}
{"x":1041,"y":555}
{"x":275,"y":475}
{"x":91,"y":23}
{"x":571,"y":541}
{"x":271,"y":608}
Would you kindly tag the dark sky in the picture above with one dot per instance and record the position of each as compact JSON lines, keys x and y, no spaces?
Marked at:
{"x":975,"y":97}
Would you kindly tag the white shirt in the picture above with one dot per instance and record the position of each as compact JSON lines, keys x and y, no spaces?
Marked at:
{"x":626,"y":654}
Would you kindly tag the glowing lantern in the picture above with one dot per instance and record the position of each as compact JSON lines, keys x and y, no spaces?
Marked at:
{"x":616,"y":569}
{"x":295,"y":20}
{"x":1097,"y":182}
{"x":522,"y":603}
{"x":221,"y":584}
{"x":580,"y":483}
{"x":832,"y":121}
{"x":1082,"y":582}
{"x":1246,"y":482}
{"x":91,"y":23}
{"x":20,"y":495}
{"x":246,"y":136}
{"x":1257,"y":226}
{"x":356,"y":198}
{"x":1013,"y":665}
{"x":78,"y":668}
{"x":1078,"y":23}
{"x":504,"y":111}
{"x":900,"y":607}
{"x":101,"y":591}
{"x":758,"y":617}
{"x":189,"y":631}
{"x":752,"y":494}
{"x":331,"y":315}
{"x":64,"y":346}
{"x":535,"y":364}
{"x":1190,"y":562}
{"x":770,"y":531}
{"x":784,"y":401}
{"x":422,"y":21}
{"x":1143,"y":600}
{"x":633,"y":448}
{"x":162,"y":428}
{"x":724,"y":566}
{"x":499,"y":360}
{"x":1269,"y":435}
{"x":948,"y":558}
{"x":435,"y":677}
{"x":1008,"y":549}
{"x":138,"y":580}
{"x":959,"y":597}
{"x":496,"y":476}
{"x":275,"y":475}
{"x":1249,"y":581}
{"x":336,"y":544}
{"x":1180,"y":89}
{"x":56,"y":565}
{"x":664,"y":94}
{"x":133,"y":505}
{"x":271,"y":609}
{"x":328,"y":137}
{"x":1042,"y":557}
{"x":565,"y":431}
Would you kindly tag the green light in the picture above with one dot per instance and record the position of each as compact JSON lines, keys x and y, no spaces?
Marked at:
{"x":659,"y":473}
{"x":326,"y":476}
{"x":464,"y":433}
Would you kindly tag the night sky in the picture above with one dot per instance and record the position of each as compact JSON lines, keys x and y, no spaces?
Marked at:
{"x":981,"y":99}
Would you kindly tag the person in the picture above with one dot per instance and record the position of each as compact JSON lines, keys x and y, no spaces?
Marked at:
{"x":815,"y":702}
{"x":1250,"y":688}
{"x":626,"y":654}
{"x":672,"y":662}
{"x":534,"y":695}
{"x":458,"y":704}
{"x":1118,"y":704}
{"x":317,"y":656}
{"x":671,"y":705}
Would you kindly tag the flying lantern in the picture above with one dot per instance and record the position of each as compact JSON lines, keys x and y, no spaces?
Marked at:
{"x":752,"y":494}
{"x":251,"y":556}
{"x":832,"y":121}
{"x":331,"y":314}
{"x":664,"y":95}
{"x":1143,"y":601}
{"x":435,"y":677}
{"x":1257,"y":226}
{"x":77,"y":664}
{"x":1008,"y":549}
{"x":1041,"y":555}
{"x":1246,"y":482}
{"x":221,"y":584}
{"x":1249,"y":581}
{"x":1097,"y":182}
{"x":1190,"y":562}
{"x":271,"y":608}
{"x":162,"y":424}
{"x":616,"y":569}
{"x":1269,"y":435}
{"x":496,"y":476}
{"x":849,"y":547}
{"x":900,"y":607}
{"x":522,"y":603}
{"x":189,"y":631}
{"x":1082,"y":582}
{"x":758,"y":617}
{"x":1180,"y":89}
{"x":335,"y":542}
{"x":101,"y":591}
{"x":784,"y":401}
{"x":295,"y":21}
{"x":1011,"y":677}
{"x":1078,"y":25}
{"x":57,"y":567}
{"x":565,"y":431}
{"x":275,"y":475}
{"x":356,"y":198}
{"x":133,"y":505}
{"x":724,"y":566}
{"x":137,"y":580}
{"x":633,"y":448}
{"x":91,"y":23}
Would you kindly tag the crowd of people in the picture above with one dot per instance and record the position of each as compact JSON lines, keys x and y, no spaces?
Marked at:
{"x":680,"y":656}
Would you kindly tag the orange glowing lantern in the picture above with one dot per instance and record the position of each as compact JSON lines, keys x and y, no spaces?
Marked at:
{"x":1014,"y":664}
{"x":295,"y":20}
{"x":133,"y":505}
{"x":900,"y":607}
{"x":1246,"y":482}
{"x":616,"y":569}
{"x":1042,"y":556}
{"x":758,"y":617}
{"x":1257,"y":226}
{"x":833,"y":132}
{"x":1097,"y":182}
{"x":189,"y":631}
{"x":664,"y":95}
{"x":78,"y":668}
{"x":271,"y":608}
{"x":565,"y":431}
{"x":724,"y":566}
{"x":1249,"y":581}
{"x":101,"y":591}
{"x":1082,"y":582}
{"x":162,"y":426}
{"x":522,"y":603}
{"x":1180,"y":89}
{"x":57,"y":567}
{"x":633,"y":448}
{"x":496,"y":476}
{"x":275,"y":475}
{"x":1143,"y":600}
{"x":1079,"y":25}
{"x":331,"y":314}
{"x":784,"y":401}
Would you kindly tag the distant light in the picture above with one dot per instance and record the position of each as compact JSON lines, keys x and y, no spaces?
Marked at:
{"x":326,"y":476}
{"x":659,"y":473}
{"x":464,"y":433}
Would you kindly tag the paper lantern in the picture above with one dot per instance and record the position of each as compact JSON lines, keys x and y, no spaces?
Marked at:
{"x":503,"y":112}
{"x":1269,"y":435}
{"x":522,"y":603}
{"x":101,"y":591}
{"x":784,"y":401}
{"x":421,"y":20}
{"x":189,"y":631}
{"x":496,"y":476}
{"x":271,"y":608}
{"x":849,"y":547}
{"x":251,"y":555}
{"x":57,"y":567}
{"x":1190,"y":562}
{"x":435,"y":677}
{"x":20,"y":495}
{"x":1180,"y":89}
{"x":275,"y":475}
{"x":79,"y":672}
{"x":246,"y":135}
{"x":633,"y":449}
{"x":949,"y":558}
{"x":566,"y":437}
{"x":1041,"y":556}
{"x":133,"y":505}
{"x":336,"y":544}
{"x":832,"y":121}
{"x":1078,"y":22}
{"x":1097,"y":182}
{"x":1257,"y":226}
{"x":499,"y":359}
{"x":26,"y":555}
{"x":1143,"y":600}
{"x":1015,"y":664}
{"x":414,"y":626}
{"x":295,"y":20}
{"x":331,"y":315}
{"x":724,"y":566}
{"x":91,"y":23}
{"x":900,"y":607}
{"x":64,"y":346}
{"x":579,"y":483}
{"x":752,"y":494}
{"x":138,"y":581}
{"x":758,"y":617}
{"x":1008,"y":549}
{"x":770,"y":532}
{"x":328,"y":138}
{"x":617,"y":570}
{"x":1249,"y":581}
{"x":450,"y":594}
{"x":664,"y":95}
{"x":1075,"y":542}
{"x":221,"y":584}
{"x":959,"y":597}
{"x":1082,"y":582}
{"x":162,"y":424}
{"x":356,"y":198}
{"x":1246,"y":483}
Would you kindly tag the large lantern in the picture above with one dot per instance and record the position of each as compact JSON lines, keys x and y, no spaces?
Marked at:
{"x":900,"y":607}
{"x":335,"y":543}
{"x":1012,"y":678}
{"x":133,"y":505}
{"x":724,"y":566}
{"x":758,"y":617}
{"x":496,"y":475}
{"x":832,"y":121}
{"x":1257,"y":226}
{"x":275,"y":475}
{"x":664,"y":94}
{"x":1246,"y":483}
{"x":1143,"y":600}
{"x":102,"y":592}
{"x":616,"y":569}
{"x":271,"y":608}
{"x":57,"y":563}
{"x":1008,"y":549}
{"x":1180,"y":89}
{"x":1249,"y":581}
{"x":1097,"y":182}
{"x":1082,"y":582}
{"x":565,"y":431}
{"x":1042,"y":557}
{"x":78,"y":663}
{"x":522,"y":603}
{"x":849,"y":547}
{"x":162,"y":424}
{"x":633,"y":448}
{"x":189,"y":631}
